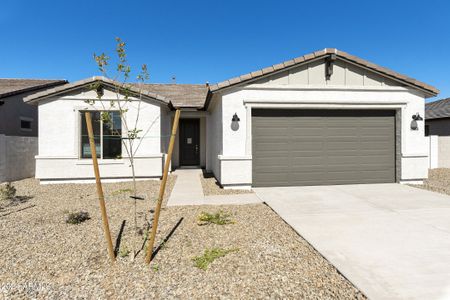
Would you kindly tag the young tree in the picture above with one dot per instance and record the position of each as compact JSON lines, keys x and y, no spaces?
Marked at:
{"x":125,"y":98}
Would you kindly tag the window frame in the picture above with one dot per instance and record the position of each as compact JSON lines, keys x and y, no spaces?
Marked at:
{"x":26,"y":119}
{"x":80,"y":135}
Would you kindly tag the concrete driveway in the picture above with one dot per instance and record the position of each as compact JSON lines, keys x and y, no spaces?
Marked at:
{"x":391,"y":241}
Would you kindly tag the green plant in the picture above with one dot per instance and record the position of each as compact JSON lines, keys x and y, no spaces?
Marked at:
{"x":129,"y":95}
{"x":203,"y":261}
{"x":155,"y":267}
{"x":7,"y":192}
{"x":118,"y":192}
{"x":77,"y":217}
{"x":218,"y":218}
{"x":124,"y":251}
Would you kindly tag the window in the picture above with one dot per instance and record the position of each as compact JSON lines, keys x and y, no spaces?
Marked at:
{"x":25,"y":124}
{"x":107,"y":136}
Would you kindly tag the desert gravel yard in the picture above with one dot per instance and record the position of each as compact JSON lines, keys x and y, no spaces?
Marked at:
{"x":211,"y":187}
{"x":438,"y":181}
{"x":43,"y":257}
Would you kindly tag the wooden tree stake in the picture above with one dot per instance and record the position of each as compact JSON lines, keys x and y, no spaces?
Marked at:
{"x":162,"y":188}
{"x":101,"y":198}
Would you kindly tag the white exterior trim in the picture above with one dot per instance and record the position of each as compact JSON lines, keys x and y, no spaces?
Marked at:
{"x":246,"y":157}
{"x":283,"y":87}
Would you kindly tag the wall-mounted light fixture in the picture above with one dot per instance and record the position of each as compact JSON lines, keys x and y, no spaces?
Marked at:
{"x":235,"y":122}
{"x":99,"y":91}
{"x":329,"y":61}
{"x":415,"y":118}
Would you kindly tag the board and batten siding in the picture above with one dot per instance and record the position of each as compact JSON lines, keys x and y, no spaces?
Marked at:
{"x":344,"y":74}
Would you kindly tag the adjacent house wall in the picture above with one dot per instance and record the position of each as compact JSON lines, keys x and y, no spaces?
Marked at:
{"x":17,"y":157}
{"x":11,"y":113}
{"x":370,"y":91}
{"x":59,"y":139}
{"x":439,"y":127}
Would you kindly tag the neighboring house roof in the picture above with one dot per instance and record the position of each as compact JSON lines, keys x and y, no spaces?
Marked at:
{"x":11,"y":86}
{"x":437,"y":109}
{"x":181,"y":95}
{"x":430,"y":90}
{"x":135,"y":90}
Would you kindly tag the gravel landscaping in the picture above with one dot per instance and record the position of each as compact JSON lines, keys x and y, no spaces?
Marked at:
{"x":261,"y":256}
{"x":211,"y":187}
{"x":438,"y":181}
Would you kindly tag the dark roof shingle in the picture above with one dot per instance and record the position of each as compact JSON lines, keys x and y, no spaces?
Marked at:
{"x":437,"y":109}
{"x":181,"y":95}
{"x":12,"y":86}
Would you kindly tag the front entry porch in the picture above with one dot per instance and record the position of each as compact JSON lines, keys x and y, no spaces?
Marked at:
{"x":190,"y":144}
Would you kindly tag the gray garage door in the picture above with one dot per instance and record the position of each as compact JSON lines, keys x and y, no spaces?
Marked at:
{"x":322,"y":147}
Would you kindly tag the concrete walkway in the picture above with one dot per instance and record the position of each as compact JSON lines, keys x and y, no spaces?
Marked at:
{"x":391,"y":241}
{"x":188,"y":191}
{"x":188,"y":188}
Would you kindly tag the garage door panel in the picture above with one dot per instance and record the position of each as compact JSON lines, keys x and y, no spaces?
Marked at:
{"x":316,"y":147}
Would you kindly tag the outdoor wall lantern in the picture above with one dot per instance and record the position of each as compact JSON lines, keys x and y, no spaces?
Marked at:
{"x":415,"y":118}
{"x":235,"y":122}
{"x":99,"y":91}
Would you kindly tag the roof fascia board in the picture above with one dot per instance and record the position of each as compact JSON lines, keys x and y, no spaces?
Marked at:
{"x":33,"y":88}
{"x":250,"y":81}
{"x":432,"y":94}
{"x":104,"y":83}
{"x":322,"y":56}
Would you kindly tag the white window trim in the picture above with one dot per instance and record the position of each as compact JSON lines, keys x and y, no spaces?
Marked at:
{"x":28,"y":120}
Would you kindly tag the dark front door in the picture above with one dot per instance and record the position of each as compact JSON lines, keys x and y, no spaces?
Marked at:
{"x":189,"y":142}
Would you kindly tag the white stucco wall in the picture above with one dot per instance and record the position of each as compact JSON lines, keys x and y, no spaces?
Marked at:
{"x":59,"y":139}
{"x":235,"y":160}
{"x":214,"y":133}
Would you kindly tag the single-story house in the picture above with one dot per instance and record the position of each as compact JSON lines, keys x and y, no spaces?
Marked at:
{"x":19,"y":126}
{"x":16,"y":117}
{"x":437,"y":117}
{"x":320,"y":119}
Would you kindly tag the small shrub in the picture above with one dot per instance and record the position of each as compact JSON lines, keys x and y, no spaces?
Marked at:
{"x":155,"y":268}
{"x":7,"y":192}
{"x":122,"y":191}
{"x":77,"y":217}
{"x":218,"y":218}
{"x":124,"y":251}
{"x":203,"y":261}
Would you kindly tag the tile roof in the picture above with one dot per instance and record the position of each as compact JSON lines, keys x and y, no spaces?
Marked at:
{"x":12,"y":86}
{"x":319,"y":54}
{"x":437,"y":109}
{"x":181,"y":95}
{"x":88,"y":81}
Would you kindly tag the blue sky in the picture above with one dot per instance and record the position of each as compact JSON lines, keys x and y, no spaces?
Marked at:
{"x":199,"y":41}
